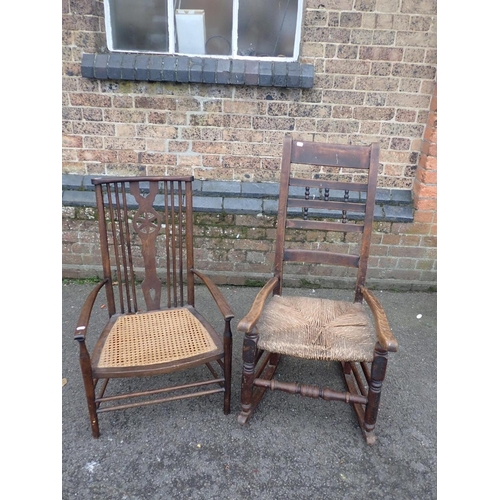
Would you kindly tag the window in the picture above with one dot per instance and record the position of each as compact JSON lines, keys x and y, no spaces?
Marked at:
{"x":239,"y":29}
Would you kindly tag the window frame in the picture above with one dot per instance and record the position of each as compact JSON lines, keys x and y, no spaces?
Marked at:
{"x":234,"y":38}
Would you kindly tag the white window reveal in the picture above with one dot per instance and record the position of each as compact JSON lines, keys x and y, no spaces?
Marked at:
{"x":239,"y":29}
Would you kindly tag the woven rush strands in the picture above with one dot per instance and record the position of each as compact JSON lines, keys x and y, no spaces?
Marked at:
{"x":317,"y":329}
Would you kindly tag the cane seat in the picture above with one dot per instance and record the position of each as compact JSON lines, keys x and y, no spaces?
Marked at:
{"x":154,"y":338}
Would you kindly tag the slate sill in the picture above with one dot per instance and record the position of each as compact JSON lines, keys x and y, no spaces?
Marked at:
{"x":243,"y":198}
{"x":183,"y":69}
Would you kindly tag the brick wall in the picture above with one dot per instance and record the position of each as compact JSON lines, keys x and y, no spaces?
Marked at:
{"x":374,"y":81}
{"x":235,"y":226}
{"x":238,"y":250}
{"x":425,"y":184}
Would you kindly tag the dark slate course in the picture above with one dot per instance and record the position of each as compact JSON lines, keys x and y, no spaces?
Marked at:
{"x":184,"y":69}
{"x":392,"y":205}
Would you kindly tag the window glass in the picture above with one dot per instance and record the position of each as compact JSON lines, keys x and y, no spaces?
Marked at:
{"x":218,"y":23}
{"x":139,"y":25}
{"x":266,"y":28}
{"x":231,"y":28}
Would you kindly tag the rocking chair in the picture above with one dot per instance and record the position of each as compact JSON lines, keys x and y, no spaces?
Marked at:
{"x":313,"y":328}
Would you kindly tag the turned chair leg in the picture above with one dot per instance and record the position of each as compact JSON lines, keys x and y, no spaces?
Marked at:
{"x":379,"y":366}
{"x":228,"y":358}
{"x":248,"y":375}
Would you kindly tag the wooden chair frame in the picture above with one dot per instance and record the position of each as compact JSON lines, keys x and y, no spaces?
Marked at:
{"x":363,"y":380}
{"x":146,"y":232}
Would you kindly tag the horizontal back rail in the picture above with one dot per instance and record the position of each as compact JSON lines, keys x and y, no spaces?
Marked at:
{"x":326,"y":205}
{"x":324,"y":184}
{"x":324,"y":226}
{"x":320,"y":257}
{"x":331,"y":156}
{"x":110,"y":179}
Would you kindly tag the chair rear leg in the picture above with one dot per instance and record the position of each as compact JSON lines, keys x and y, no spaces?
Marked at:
{"x":378,"y":370}
{"x":274,"y":359}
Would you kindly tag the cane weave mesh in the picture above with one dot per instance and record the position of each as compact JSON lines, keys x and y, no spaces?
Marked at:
{"x":317,"y":329}
{"x":154,"y":337}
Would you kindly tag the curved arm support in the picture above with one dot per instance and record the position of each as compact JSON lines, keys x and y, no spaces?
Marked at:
{"x":84,"y":318}
{"x":221,"y":302}
{"x":384,"y":334}
{"x":248,"y":323}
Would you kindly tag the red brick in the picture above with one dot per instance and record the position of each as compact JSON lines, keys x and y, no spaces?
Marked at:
{"x":425,"y":204}
{"x":424,"y":216}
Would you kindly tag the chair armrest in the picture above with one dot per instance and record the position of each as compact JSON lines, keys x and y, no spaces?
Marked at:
{"x":248,"y":323}
{"x":220,"y":300}
{"x":382,"y":328}
{"x":84,"y":318}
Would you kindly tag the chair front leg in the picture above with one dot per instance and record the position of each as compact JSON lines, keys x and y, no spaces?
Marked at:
{"x":88,"y":383}
{"x":378,"y":370}
{"x":248,"y":375}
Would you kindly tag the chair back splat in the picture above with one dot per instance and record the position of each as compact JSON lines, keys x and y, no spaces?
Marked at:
{"x":146,"y":215}
{"x":154,"y":328}
{"x":328,"y":189}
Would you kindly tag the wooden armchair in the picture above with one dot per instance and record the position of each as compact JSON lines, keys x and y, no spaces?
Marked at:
{"x":146,"y":233}
{"x":318,"y":329}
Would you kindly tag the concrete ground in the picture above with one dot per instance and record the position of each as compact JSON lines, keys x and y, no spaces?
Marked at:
{"x":292,"y":447}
